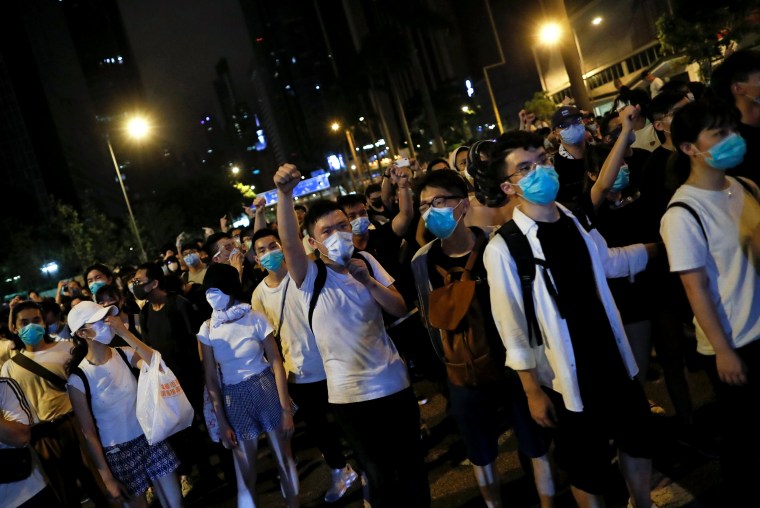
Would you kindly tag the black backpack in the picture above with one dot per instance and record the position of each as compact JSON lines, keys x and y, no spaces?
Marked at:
{"x":519,"y":248}
{"x":321,"y":279}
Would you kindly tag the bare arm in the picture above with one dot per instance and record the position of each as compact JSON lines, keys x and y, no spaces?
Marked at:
{"x":386,"y":190}
{"x":228,"y":437}
{"x":144,"y":351}
{"x":260,"y":221}
{"x":14,"y":434}
{"x":280,"y":378}
{"x":611,"y":166}
{"x":405,"y":216}
{"x":286,"y":178}
{"x":731,"y":369}
{"x":539,"y":403}
{"x":388,"y":297}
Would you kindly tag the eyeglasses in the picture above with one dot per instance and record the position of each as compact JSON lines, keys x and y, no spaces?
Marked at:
{"x":567,"y":123}
{"x":436,"y":202}
{"x":137,"y":282}
{"x":526,"y":167}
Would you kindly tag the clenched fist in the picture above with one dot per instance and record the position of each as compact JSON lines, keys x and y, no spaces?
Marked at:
{"x":286,"y":178}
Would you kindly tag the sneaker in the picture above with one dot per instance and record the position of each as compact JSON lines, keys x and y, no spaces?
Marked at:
{"x":341,"y":480}
{"x":186,"y":485}
{"x":656,"y":409}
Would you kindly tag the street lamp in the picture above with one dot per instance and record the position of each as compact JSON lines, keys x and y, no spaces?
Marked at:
{"x":235,"y":170}
{"x":137,"y":128}
{"x":335,"y":126}
{"x":49,"y":268}
{"x":550,"y":33}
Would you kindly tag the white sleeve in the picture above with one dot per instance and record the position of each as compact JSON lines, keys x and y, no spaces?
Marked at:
{"x":263,"y":328}
{"x":203,"y":334}
{"x":256,"y":302}
{"x":620,"y":261}
{"x":507,"y":305}
{"x":13,"y":404}
{"x":380,"y":274}
{"x":684,"y":240}
{"x":76,"y":382}
{"x":307,"y":285}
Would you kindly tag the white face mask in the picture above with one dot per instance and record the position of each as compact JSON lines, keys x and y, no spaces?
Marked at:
{"x":217,"y":300}
{"x":103,"y":332}
{"x":360,"y":225}
{"x":340,"y":247}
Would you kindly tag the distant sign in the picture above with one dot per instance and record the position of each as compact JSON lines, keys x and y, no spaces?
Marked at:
{"x":308,"y":186}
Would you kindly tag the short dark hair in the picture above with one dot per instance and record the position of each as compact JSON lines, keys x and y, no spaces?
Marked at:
{"x":210,"y":245}
{"x":262,"y":233}
{"x":192,"y":244}
{"x":317,"y":210}
{"x":300,"y":207}
{"x":737,"y":67}
{"x":489,"y":178}
{"x":438,"y":160}
{"x":351,"y":200}
{"x":448,"y":179}
{"x":225,"y":278}
{"x":636,"y":97}
{"x":48,"y":306}
{"x":604,"y":125}
{"x":373,"y":187}
{"x":153,"y":272}
{"x":25,"y":305}
{"x":109,"y":290}
{"x":664,"y":102}
{"x":99,"y":267}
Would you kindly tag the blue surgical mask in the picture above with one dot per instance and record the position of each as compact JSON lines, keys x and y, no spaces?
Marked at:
{"x":441,"y":221}
{"x":54,"y":328}
{"x":217,"y":300}
{"x":359,"y":225}
{"x":573,"y":134}
{"x":95,"y":286}
{"x":192,"y":259}
{"x":31,"y":334}
{"x":728,"y":153}
{"x":622,"y":179}
{"x":540,"y":186}
{"x":272,"y":260}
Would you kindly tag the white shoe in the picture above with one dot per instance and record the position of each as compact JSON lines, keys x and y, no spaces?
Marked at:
{"x":341,"y":480}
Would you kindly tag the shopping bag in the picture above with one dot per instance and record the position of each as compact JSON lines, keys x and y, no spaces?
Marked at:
{"x":162,"y":406}
{"x":212,"y":424}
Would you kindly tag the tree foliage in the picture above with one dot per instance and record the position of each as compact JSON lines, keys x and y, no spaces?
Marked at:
{"x":702,"y":30}
{"x":541,"y":106}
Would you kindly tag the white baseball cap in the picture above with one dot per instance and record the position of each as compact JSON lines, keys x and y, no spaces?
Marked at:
{"x":88,"y":312}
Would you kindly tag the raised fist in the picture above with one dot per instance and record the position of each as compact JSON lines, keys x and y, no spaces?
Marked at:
{"x":286,"y":178}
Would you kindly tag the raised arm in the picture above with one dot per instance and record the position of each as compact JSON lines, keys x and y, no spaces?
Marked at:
{"x":260,"y":221}
{"x":386,"y":188}
{"x":611,"y":166}
{"x":405,"y":216}
{"x":286,"y":178}
{"x":144,"y":351}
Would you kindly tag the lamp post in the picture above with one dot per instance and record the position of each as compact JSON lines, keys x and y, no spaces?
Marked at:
{"x":136,"y":128}
{"x":501,"y":61}
{"x":553,"y":34}
{"x":335,"y":126}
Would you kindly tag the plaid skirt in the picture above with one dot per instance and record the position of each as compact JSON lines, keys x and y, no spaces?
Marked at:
{"x":253,"y":406}
{"x":135,"y":463}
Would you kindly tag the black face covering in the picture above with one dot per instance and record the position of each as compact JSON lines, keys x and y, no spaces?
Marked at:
{"x":376,"y":203}
{"x":139,"y":291}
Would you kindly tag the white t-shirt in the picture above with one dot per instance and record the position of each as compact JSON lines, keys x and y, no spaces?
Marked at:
{"x":303,"y":363}
{"x":15,"y":408}
{"x":360,"y":359}
{"x":646,"y":138}
{"x":6,"y":350}
{"x":729,"y":217}
{"x":114,"y":398}
{"x":238,"y":346}
{"x":49,"y":402}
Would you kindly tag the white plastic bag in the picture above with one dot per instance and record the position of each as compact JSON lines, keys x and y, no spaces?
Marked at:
{"x":162,"y":406}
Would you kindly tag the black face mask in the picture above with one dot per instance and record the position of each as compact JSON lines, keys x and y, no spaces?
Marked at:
{"x":140,"y":292}
{"x":376,"y":203}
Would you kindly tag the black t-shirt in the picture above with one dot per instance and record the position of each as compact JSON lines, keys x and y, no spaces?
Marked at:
{"x":599,"y":366}
{"x":437,"y":257}
{"x":656,"y":192}
{"x":750,"y":167}
{"x":571,"y":176}
{"x":636,"y":162}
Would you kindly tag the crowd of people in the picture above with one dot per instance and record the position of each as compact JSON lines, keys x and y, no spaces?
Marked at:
{"x":530,"y":275}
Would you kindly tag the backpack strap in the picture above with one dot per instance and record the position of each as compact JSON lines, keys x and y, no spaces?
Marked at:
{"x":123,"y":355}
{"x":521,"y":252}
{"x":77,"y":371}
{"x":319,"y":284}
{"x":693,"y":212}
{"x":35,"y":368}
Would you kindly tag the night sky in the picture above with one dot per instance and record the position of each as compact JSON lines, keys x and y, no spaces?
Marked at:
{"x":177,"y":44}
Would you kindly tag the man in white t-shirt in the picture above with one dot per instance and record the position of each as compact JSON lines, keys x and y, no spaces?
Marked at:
{"x":283,"y":305}
{"x":367,"y":382}
{"x":708,"y":230}
{"x":16,"y":420}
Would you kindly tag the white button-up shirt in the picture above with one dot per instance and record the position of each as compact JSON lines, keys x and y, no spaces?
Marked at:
{"x":554,"y":361}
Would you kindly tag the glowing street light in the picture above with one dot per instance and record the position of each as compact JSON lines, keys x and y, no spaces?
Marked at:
{"x":465,"y":109}
{"x":596,"y":21}
{"x":50,"y":268}
{"x":335,"y":126}
{"x":137,"y":128}
{"x":550,"y":33}
{"x":235,"y":170}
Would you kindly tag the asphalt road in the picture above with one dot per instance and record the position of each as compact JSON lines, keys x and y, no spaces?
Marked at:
{"x":686,"y":478}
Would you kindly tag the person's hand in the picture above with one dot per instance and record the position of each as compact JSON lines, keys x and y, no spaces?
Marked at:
{"x":260,"y":203}
{"x":16,"y":300}
{"x":392,"y":175}
{"x":359,"y":271}
{"x":223,"y":222}
{"x":62,"y":284}
{"x":402,"y":176}
{"x":523,"y":114}
{"x":117,"y":325}
{"x":116,"y":490}
{"x":414,"y":166}
{"x":180,"y":239}
{"x":542,"y":409}
{"x":227,"y":435}
{"x":628,"y":115}
{"x":286,"y":178}
{"x":288,"y":427}
{"x":207,"y":231}
{"x":236,"y":260}
{"x":731,"y":368}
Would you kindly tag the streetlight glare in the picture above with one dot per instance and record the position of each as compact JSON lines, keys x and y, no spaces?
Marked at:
{"x":596,"y":21}
{"x":465,"y":109}
{"x":138,"y":127}
{"x":550,"y":33}
{"x":235,"y":170}
{"x":50,"y":268}
{"x":335,"y":126}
